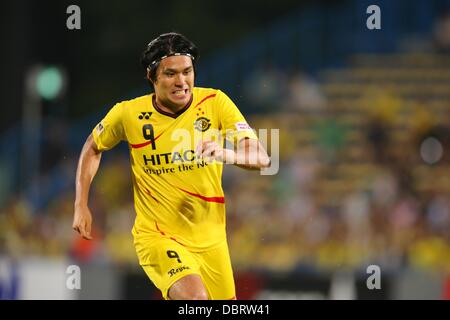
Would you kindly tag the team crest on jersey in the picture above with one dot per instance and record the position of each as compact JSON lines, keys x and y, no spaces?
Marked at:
{"x":145,"y":115}
{"x":202,"y":124}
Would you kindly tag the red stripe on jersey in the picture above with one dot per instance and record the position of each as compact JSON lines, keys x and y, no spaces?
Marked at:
{"x":209,"y":199}
{"x":140,"y":145}
{"x":172,"y":238}
{"x":163,"y":233}
{"x":205,"y":98}
{"x":147,"y":191}
{"x":156,"y":224}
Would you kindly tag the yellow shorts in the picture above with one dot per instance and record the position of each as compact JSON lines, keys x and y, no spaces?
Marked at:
{"x":165,"y":261}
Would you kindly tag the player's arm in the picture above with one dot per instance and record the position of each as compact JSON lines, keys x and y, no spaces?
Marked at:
{"x":249,"y":154}
{"x":88,"y":164}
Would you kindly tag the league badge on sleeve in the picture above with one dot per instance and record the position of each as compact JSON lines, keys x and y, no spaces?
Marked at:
{"x":100,"y":128}
{"x":242,"y":126}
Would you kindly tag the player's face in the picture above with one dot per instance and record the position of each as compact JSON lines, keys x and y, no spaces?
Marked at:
{"x":174,"y":81}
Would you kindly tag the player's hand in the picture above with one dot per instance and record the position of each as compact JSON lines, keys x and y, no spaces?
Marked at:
{"x":210,"y":151}
{"x":82,"y":222}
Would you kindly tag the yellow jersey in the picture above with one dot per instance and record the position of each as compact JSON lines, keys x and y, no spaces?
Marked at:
{"x":176,"y":195}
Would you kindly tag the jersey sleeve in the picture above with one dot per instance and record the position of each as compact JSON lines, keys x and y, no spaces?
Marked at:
{"x":232,"y":122}
{"x":109,"y":132}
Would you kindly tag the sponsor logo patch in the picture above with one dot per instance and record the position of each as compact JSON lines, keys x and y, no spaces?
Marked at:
{"x":174,"y":271}
{"x":145,"y":115}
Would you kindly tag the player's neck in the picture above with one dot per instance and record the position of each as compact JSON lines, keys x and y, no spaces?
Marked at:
{"x":168,"y":107}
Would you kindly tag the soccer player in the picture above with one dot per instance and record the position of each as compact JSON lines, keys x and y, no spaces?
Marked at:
{"x":176,"y":138}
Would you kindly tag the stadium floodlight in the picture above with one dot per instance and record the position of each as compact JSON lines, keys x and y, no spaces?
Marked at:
{"x":41,"y":83}
{"x":50,"y":82}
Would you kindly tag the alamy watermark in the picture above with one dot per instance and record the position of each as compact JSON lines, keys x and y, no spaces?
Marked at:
{"x":374,"y":280}
{"x":374,"y":20}
{"x":73,"y":281}
{"x":73,"y":21}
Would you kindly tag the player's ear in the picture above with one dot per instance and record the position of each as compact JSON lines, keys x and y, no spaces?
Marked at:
{"x":149,"y":77}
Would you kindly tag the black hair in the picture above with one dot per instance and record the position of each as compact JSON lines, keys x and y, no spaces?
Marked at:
{"x":166,"y":44}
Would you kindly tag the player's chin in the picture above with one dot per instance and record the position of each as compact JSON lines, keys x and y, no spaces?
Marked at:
{"x":181,"y":98}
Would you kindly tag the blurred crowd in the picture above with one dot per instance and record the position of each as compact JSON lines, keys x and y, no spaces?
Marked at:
{"x":363,"y":178}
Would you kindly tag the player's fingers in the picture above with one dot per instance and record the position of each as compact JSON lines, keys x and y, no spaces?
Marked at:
{"x":209,"y":145}
{"x":204,"y":144}
{"x":87,"y":237}
{"x":76,"y":226}
{"x":81,"y":230}
{"x":209,"y":150}
{"x":199,"y":148}
{"x":88,"y":230}
{"x":206,"y":151}
{"x":211,"y":153}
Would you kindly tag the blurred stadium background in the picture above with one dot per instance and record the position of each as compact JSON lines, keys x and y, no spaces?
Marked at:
{"x":364,"y":119}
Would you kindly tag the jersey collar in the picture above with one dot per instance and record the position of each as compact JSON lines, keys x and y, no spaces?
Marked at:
{"x":172,"y":115}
